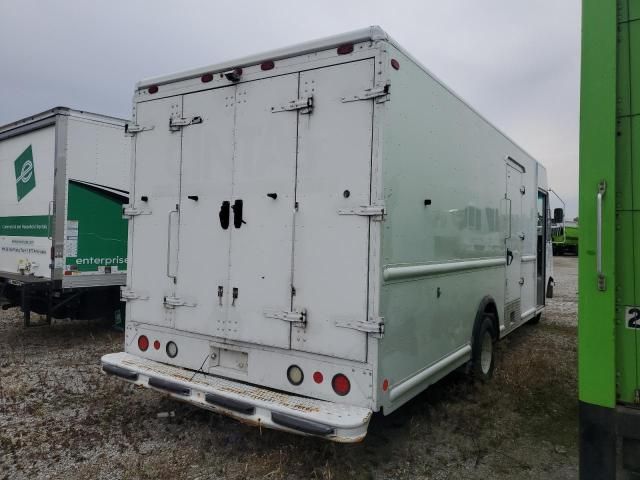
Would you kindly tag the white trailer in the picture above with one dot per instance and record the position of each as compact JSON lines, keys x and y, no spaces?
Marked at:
{"x":321,"y":232}
{"x":64,"y":176}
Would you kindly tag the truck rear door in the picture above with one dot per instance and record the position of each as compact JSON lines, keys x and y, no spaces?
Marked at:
{"x":237,"y":199}
{"x":152,"y":259}
{"x":331,"y":251}
{"x":260,"y":211}
{"x":205,"y":191}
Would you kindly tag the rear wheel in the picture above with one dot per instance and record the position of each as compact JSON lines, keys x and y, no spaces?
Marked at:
{"x":536,"y":320}
{"x":483,"y":351}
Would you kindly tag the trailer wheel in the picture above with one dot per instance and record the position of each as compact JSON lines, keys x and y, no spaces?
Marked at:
{"x":483,"y":351}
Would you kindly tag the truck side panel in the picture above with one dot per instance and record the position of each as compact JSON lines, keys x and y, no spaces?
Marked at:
{"x":444,"y":175}
{"x":26,"y":191}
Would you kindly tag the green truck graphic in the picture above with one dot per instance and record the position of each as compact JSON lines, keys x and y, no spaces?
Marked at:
{"x":25,"y":173}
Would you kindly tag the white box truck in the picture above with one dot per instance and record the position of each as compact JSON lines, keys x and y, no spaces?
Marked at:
{"x":64,"y":176}
{"x":321,"y":232}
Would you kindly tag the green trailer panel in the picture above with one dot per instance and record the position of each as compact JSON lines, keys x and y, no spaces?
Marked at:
{"x":99,"y":236}
{"x":609,"y":275}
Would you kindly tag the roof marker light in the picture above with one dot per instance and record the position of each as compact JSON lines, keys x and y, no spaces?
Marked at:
{"x":268,"y":65}
{"x":395,"y":64}
{"x":152,"y":89}
{"x":206,"y":78}
{"x":345,"y":49}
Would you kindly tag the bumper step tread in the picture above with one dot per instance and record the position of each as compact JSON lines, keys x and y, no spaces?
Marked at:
{"x":250,"y":403}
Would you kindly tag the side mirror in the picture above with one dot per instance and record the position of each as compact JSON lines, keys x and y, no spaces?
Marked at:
{"x":558,"y":215}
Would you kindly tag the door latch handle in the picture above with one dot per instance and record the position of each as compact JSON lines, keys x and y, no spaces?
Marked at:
{"x":602,"y":188}
{"x":509,"y":257}
{"x":237,"y":214}
{"x":234,"y":296}
{"x":224,"y":214}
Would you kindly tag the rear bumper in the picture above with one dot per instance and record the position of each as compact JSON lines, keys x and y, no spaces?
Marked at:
{"x":248,"y":403}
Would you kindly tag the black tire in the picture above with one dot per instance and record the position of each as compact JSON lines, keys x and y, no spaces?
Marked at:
{"x":484,"y":344}
{"x":536,"y":320}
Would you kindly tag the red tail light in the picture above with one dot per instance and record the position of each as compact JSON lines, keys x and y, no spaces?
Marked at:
{"x":341,"y":384}
{"x":318,"y":377}
{"x":143,"y":343}
{"x":156,"y":345}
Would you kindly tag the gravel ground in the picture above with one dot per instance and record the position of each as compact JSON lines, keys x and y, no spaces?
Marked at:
{"x":61,"y":418}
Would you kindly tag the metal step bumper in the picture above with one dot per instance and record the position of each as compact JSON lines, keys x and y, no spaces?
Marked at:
{"x":250,"y":404}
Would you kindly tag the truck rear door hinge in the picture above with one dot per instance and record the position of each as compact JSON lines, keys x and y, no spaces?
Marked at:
{"x":374,"y":325}
{"x":305,"y":105}
{"x":297,"y":318}
{"x":380,"y":93}
{"x":131,"y":129}
{"x":176,"y":124}
{"x":173,"y":302}
{"x":364,"y":211}
{"x":126,"y":295}
{"x":129,"y":211}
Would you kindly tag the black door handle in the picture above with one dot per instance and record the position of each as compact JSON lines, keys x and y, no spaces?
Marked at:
{"x":509,"y":257}
{"x":224,"y":214}
{"x":237,"y":214}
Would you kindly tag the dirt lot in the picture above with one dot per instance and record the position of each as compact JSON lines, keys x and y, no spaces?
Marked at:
{"x":61,"y":418}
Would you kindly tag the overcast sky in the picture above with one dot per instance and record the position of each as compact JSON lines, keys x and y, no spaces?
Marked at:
{"x":516,"y":61}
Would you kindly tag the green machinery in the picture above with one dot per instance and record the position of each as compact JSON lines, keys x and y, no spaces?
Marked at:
{"x":609,"y":264}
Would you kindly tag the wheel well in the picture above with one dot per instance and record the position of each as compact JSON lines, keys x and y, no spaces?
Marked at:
{"x":491,"y":309}
{"x":487,"y":306}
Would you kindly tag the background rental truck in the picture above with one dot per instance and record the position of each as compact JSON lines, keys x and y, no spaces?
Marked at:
{"x":329,"y":231}
{"x":609,"y":265}
{"x":64,"y":176}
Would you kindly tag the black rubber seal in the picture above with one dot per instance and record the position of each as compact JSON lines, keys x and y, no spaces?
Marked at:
{"x":172,"y":387}
{"x":119,"y":372}
{"x":230,"y":404}
{"x":301,"y":424}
